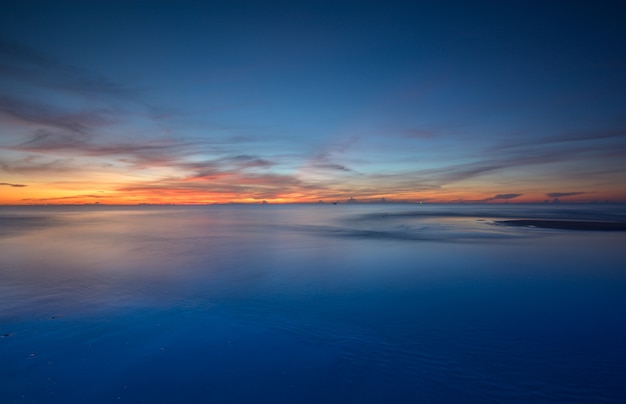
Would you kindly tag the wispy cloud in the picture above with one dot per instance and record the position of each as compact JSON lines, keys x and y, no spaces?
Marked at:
{"x":40,"y":91}
{"x":505,"y":196}
{"x":12,"y":185}
{"x":149,"y":152}
{"x":221,"y":186}
{"x":248,"y":161}
{"x":333,"y":167}
{"x":38,"y":165}
{"x":72,"y":112}
{"x":530,"y":154}
{"x":563,"y":138}
{"x":331,"y":159}
{"x":38,"y":114}
{"x":67,"y":198}
{"x":23,"y":64}
{"x":563,"y":194}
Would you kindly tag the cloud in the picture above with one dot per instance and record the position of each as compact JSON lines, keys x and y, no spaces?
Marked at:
{"x":221,"y":186}
{"x":499,"y":197}
{"x":12,"y":185}
{"x":563,"y":194}
{"x":39,"y":93}
{"x":140,"y":154}
{"x":466,"y":171}
{"x":593,"y":135}
{"x":228,"y":165}
{"x":533,"y":154}
{"x":37,"y":114}
{"x":51,"y":108}
{"x":600,"y":138}
{"x":327,"y":160}
{"x":506,"y":196}
{"x":68,"y":198}
{"x":38,"y":165}
{"x":26,"y":65}
{"x":332,"y":167}
{"x":247,"y":161}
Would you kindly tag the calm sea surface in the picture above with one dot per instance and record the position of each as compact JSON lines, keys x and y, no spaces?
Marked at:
{"x":315,"y":304}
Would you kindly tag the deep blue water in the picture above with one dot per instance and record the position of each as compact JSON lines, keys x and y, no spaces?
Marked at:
{"x":346,"y":303}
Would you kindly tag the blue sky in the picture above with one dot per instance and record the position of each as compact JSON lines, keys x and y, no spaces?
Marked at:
{"x":295,"y":101}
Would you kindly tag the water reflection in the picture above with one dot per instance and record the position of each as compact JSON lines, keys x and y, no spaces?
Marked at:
{"x":345,"y":303}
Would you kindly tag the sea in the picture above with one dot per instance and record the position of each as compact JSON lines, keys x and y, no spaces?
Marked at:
{"x":346,"y":303}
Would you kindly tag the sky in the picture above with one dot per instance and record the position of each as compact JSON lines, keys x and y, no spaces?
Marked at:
{"x":232,"y":101}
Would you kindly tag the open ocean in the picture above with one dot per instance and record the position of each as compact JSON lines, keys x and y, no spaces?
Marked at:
{"x":311,"y":304}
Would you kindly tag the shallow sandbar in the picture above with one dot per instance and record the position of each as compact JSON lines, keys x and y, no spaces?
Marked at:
{"x":565,"y":224}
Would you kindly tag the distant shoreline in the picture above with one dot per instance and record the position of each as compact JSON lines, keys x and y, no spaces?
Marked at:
{"x":342,"y":203}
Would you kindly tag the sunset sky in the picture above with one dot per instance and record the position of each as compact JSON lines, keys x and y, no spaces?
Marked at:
{"x":216,"y":102}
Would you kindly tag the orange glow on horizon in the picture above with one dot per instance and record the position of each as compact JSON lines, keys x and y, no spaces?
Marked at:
{"x":45,"y":195}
